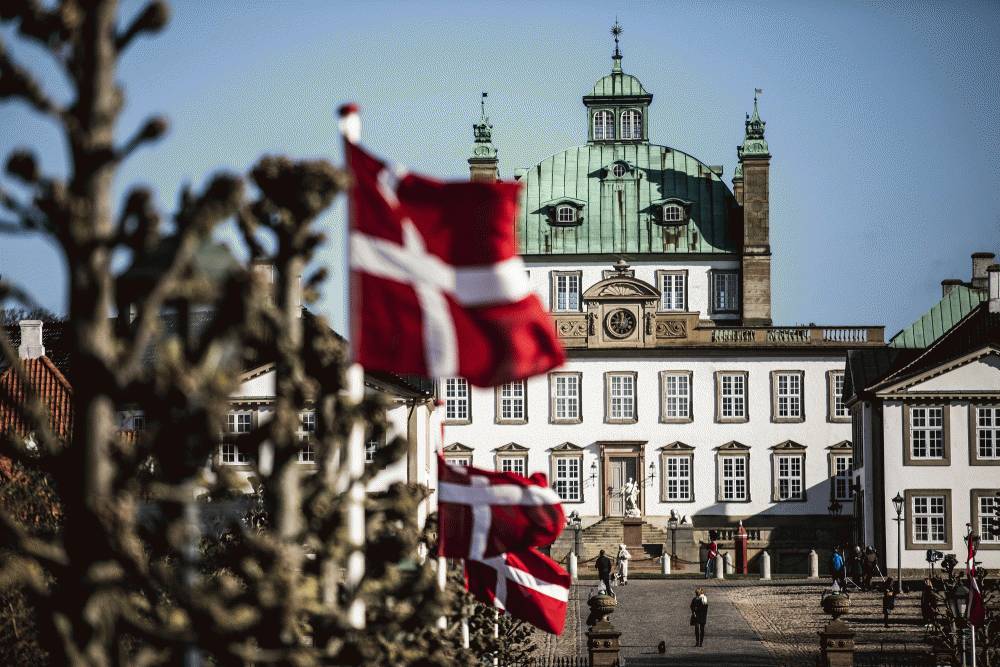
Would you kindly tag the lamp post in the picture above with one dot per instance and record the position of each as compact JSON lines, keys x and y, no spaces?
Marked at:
{"x":958,"y":600}
{"x":972,"y":540}
{"x":576,"y":524}
{"x":897,"y":503}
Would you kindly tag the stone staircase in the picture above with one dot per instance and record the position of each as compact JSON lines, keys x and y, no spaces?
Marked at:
{"x":607,"y":534}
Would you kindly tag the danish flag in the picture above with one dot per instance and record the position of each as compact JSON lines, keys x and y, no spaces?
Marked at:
{"x":976,"y":609}
{"x":437,"y":288}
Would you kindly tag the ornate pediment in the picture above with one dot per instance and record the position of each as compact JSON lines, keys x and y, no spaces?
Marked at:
{"x":733,"y":446}
{"x":457,"y":448}
{"x":788,"y":445}
{"x":676,"y":446}
{"x":511,"y":447}
{"x":842,"y":445}
{"x":618,"y":288}
{"x":566,"y":447}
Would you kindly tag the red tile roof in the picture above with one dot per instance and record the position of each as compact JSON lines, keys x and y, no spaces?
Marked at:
{"x":49,"y":384}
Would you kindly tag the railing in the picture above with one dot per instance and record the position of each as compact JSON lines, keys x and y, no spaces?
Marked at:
{"x":846,"y":335}
{"x":729,"y":534}
{"x":556,"y":661}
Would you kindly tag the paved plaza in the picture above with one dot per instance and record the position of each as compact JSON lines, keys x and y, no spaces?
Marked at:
{"x":750,"y":623}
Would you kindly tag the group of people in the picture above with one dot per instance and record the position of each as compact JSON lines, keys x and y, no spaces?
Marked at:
{"x":605,"y":571}
{"x":859,"y":568}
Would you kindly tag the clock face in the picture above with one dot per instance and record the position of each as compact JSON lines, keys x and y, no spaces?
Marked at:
{"x":482,"y":150}
{"x":620,"y":323}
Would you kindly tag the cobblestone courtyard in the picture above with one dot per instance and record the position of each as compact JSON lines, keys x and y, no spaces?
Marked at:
{"x":750,"y":623}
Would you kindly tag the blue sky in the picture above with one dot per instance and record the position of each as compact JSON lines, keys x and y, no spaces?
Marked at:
{"x":882,"y":117}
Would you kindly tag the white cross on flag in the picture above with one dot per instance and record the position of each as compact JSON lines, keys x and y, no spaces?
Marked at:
{"x":437,"y":288}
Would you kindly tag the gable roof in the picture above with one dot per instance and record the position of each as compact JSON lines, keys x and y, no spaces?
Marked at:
{"x":48,"y":383}
{"x":865,"y":367}
{"x":942,"y":316}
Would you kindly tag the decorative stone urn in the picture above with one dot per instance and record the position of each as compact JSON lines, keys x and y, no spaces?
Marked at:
{"x":602,"y":638}
{"x":836,"y":640}
{"x":601,"y":607}
{"x":837,"y":604}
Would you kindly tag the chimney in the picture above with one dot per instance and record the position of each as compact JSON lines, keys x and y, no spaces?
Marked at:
{"x":993,"y":280}
{"x":980,"y":260}
{"x":31,"y":340}
{"x":948,"y":284}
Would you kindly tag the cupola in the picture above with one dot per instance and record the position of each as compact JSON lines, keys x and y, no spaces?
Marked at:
{"x":617,"y":106}
{"x":483,"y":165}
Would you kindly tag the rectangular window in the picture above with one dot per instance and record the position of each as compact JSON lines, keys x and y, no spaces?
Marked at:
{"x":459,"y":460}
{"x":239,"y":422}
{"x":734,"y":477}
{"x":928,"y":519}
{"x":568,"y":481}
{"x":732,"y":396}
{"x":839,"y":411}
{"x":842,"y":488}
{"x":672,"y":291}
{"x":787,"y":399}
{"x":307,"y":427}
{"x":987,"y":433}
{"x":230,"y":455}
{"x":678,"y":478}
{"x":725,"y":292}
{"x":372,"y":445}
{"x":565,"y":388}
{"x":676,"y":388}
{"x":138,"y":423}
{"x":789,"y":477}
{"x":307,"y":453}
{"x":621,"y":397}
{"x":989,"y":514}
{"x":456,"y":400}
{"x":926,"y":433}
{"x":518,"y":464}
{"x":565,"y":292}
{"x":511,"y":402}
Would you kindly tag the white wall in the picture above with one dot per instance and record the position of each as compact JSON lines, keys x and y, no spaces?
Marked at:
{"x":816,"y":433}
{"x":697,"y":278}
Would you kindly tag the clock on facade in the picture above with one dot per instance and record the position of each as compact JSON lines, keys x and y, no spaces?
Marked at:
{"x":620,"y":323}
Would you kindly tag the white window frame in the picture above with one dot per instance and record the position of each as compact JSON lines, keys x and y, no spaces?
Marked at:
{"x":631,"y":124}
{"x":620,"y":391}
{"x":927,"y":431}
{"x":928,"y":517}
{"x":843,"y":476}
{"x":725,"y":292}
{"x":678,"y":478}
{"x":565,"y":398}
{"x":457,"y":400}
{"x":987,"y":507}
{"x":673,"y":213}
{"x":675,"y":397}
{"x":567,"y":291}
{"x":512,"y":403}
{"x":836,"y":411}
{"x":673,"y":291}
{"x":734,"y":473}
{"x":787,"y":396}
{"x":513,"y":463}
{"x":789,"y":477}
{"x":567,"y":477}
{"x":237,"y":422}
{"x":566,"y":214}
{"x":732,"y":392}
{"x":985,"y":434}
{"x":459,"y":459}
{"x":307,"y":429}
{"x":606,"y":127}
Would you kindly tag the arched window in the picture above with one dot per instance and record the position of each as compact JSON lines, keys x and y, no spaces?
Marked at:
{"x":604,"y":125}
{"x":631,"y":124}
{"x":565,"y":215}
{"x":673,"y":213}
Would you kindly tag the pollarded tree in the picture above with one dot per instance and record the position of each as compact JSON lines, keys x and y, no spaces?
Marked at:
{"x":107,"y":590}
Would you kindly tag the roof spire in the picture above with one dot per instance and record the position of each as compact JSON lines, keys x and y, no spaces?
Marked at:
{"x":616,"y":59}
{"x":483,"y":149}
{"x":753,"y":136}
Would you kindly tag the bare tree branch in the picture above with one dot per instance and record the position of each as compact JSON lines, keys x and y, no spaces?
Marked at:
{"x":153,"y":18}
{"x":16,"y":82}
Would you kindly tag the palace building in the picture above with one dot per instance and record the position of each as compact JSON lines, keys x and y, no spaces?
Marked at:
{"x":658,"y":277}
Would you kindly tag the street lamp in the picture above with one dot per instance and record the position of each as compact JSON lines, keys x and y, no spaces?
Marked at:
{"x":897,"y":503}
{"x":959,"y":602}
{"x":576,"y":524}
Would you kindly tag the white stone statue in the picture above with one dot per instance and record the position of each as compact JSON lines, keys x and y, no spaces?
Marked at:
{"x":630,"y":494}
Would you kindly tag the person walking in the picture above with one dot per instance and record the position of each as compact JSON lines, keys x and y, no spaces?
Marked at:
{"x":699,"y":615}
{"x":603,"y":565}
{"x":713,"y":553}
{"x":857,"y":566}
{"x":837,"y":567}
{"x":623,"y":558}
{"x":888,"y":599}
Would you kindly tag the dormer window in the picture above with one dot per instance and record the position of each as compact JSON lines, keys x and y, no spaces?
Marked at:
{"x":604,"y":126}
{"x":619,"y":170}
{"x":673,"y":213}
{"x":566,"y":215}
{"x":631,"y":124}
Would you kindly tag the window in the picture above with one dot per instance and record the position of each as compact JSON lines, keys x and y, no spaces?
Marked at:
{"x":928,"y":519}
{"x":631,"y":124}
{"x":731,"y":396}
{"x":307,"y":453}
{"x":307,"y":427}
{"x":673,"y":291}
{"x":620,"y":391}
{"x":619,"y":170}
{"x":675,"y":389}
{"x":673,"y":213}
{"x":239,"y":422}
{"x":677,"y":478}
{"x":789,"y":477}
{"x":835,"y":409}
{"x":138,"y":423}
{"x":456,"y":400}
{"x":565,"y":292}
{"x":564,"y":396}
{"x":372,"y":445}
{"x":842,"y":473}
{"x":926,"y":432}
{"x":510,"y":403}
{"x":786,"y":396}
{"x":734,"y":485}
{"x":567,"y":479}
{"x":987,"y":509}
{"x":566,"y":215}
{"x":459,"y":460}
{"x":230,"y":455}
{"x":985,"y":441}
{"x":604,"y":126}
{"x":518,"y":464}
{"x":725,"y":292}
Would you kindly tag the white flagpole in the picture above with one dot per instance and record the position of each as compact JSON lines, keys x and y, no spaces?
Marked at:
{"x":496,"y":636}
{"x":354,"y":455}
{"x":442,"y":573}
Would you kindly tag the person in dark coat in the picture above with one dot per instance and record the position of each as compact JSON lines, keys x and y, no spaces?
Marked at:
{"x":928,"y":603}
{"x":699,"y":615}
{"x":868,"y":568}
{"x":604,"y":571}
{"x":888,"y":599}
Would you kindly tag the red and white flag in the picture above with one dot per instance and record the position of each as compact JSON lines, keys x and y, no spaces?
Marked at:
{"x":527,"y":585}
{"x":482,"y":514}
{"x":437,"y":287}
{"x":976,"y":609}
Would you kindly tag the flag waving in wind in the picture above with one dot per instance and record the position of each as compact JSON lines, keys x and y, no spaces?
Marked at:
{"x":437,"y":288}
{"x":976,"y":610}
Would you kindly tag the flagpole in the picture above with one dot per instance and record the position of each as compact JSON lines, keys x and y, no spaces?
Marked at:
{"x":442,"y":573}
{"x":496,"y":636}
{"x":354,"y":456}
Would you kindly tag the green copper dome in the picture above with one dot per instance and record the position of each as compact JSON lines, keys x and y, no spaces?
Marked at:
{"x":618,"y":84}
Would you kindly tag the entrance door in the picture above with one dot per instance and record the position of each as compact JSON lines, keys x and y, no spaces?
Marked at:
{"x":621,"y":469}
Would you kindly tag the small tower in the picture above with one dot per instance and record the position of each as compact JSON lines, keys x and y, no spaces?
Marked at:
{"x":483,"y":165}
{"x":617,"y":107}
{"x":751,"y":185}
